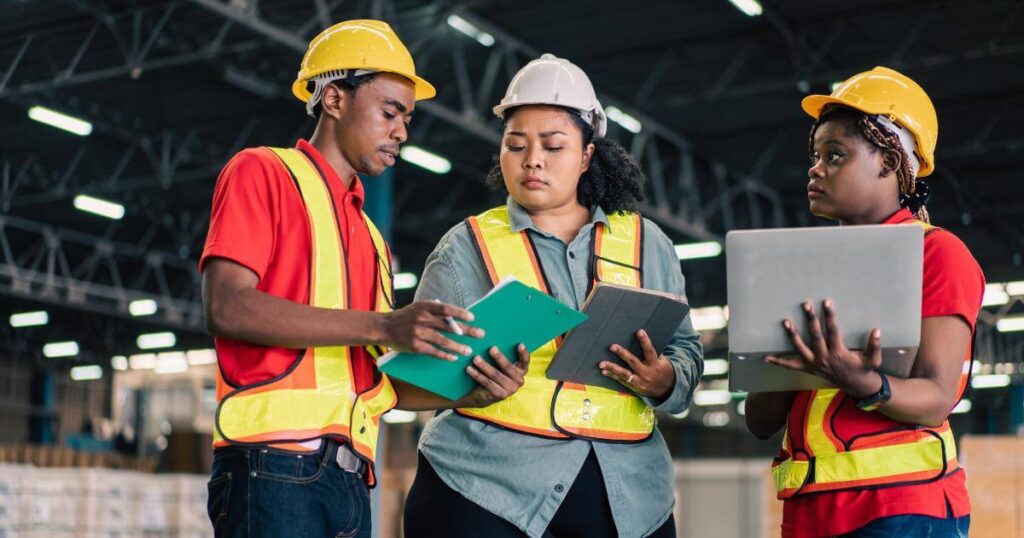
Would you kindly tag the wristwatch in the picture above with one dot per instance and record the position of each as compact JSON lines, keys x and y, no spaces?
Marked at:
{"x":878,"y":399}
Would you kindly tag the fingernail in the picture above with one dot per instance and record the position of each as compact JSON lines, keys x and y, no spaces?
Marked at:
{"x":807,"y":307}
{"x":466,"y":350}
{"x":480,"y":333}
{"x":614,"y":347}
{"x":478,"y":360}
{"x":641,"y":332}
{"x":786,"y":323}
{"x":604,"y":372}
{"x":469,"y":316}
{"x":602,"y":366}
{"x":828,"y":303}
{"x":521,"y":347}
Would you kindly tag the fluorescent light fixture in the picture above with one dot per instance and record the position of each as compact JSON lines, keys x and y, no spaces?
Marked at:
{"x":405,"y":281}
{"x":87,"y":372}
{"x":1010,"y":324}
{"x":706,"y":249}
{"x":716,"y":419}
{"x":399,"y":416}
{"x":470,"y":30}
{"x":425,"y":159}
{"x":61,"y":349}
{"x":627,"y":121}
{"x":155,"y":340}
{"x":741,"y":408}
{"x":716,"y":367}
{"x":712,"y":397}
{"x":963,"y":406}
{"x":709,"y":318}
{"x":29,"y":319}
{"x":142,"y":307}
{"x":750,"y":8}
{"x":995,"y":295}
{"x":171,"y":362}
{"x":1015,"y":288}
{"x":119,"y":363}
{"x":98,"y":206}
{"x":197,"y":357}
{"x":990,"y":381}
{"x":56,"y":119}
{"x":142,"y":361}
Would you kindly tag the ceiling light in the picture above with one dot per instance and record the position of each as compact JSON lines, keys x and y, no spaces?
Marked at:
{"x":706,"y":249}
{"x":61,"y":349}
{"x":98,"y":206}
{"x":155,"y":340}
{"x":29,"y":319}
{"x":750,"y":8}
{"x":86,"y":372}
{"x":425,"y":159}
{"x":142,"y":307}
{"x":470,"y":30}
{"x":627,"y":121}
{"x":59,"y":120}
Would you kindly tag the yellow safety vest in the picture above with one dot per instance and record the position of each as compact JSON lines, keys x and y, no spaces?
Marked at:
{"x":816,"y":457}
{"x":542,"y":406}
{"x":316,"y":396}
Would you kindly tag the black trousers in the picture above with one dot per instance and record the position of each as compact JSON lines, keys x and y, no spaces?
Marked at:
{"x":434,"y":509}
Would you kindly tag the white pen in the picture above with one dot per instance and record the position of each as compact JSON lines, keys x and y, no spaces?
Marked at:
{"x":451,"y":323}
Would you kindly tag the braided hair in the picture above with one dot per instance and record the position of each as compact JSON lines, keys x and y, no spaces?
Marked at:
{"x":914,"y":194}
{"x":614,"y":181}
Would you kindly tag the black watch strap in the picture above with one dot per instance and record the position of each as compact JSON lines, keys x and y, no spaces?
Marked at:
{"x":878,"y":399}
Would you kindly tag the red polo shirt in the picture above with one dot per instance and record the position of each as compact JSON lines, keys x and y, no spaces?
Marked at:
{"x":259,"y":220}
{"x":953,"y":286}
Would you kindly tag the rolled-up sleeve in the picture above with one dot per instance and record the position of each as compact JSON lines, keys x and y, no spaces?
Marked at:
{"x":684,"y":350}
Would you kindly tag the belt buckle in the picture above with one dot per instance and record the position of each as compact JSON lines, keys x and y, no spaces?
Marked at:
{"x":347,"y":460}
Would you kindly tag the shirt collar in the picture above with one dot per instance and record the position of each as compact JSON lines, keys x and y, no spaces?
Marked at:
{"x":357,"y":190}
{"x":520,"y":220}
{"x":900,"y":216}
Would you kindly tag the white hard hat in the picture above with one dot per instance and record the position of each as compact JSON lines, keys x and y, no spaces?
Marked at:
{"x":550,"y":80}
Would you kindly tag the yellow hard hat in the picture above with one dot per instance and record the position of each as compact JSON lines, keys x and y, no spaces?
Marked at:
{"x":891,"y":95}
{"x":367,"y":45}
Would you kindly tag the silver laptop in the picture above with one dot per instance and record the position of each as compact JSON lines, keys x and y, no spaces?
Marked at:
{"x":871,"y":273}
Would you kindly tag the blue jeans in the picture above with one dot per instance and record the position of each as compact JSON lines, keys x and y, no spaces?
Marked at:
{"x":913,"y":526}
{"x":256,"y":492}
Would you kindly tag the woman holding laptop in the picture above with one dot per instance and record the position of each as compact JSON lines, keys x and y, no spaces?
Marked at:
{"x":557,"y":459}
{"x":875,"y":456}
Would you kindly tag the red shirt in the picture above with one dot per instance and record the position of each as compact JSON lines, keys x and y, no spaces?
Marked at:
{"x":259,"y":220}
{"x":953,"y":286}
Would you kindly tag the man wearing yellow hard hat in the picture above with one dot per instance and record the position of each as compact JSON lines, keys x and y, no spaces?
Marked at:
{"x":876,"y":456}
{"x":298,"y":294}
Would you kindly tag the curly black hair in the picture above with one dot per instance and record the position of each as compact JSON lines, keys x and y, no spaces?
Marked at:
{"x":614,"y":180}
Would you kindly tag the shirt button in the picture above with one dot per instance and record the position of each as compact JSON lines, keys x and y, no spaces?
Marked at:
{"x":572,"y":254}
{"x":586,"y":416}
{"x":559,"y":488}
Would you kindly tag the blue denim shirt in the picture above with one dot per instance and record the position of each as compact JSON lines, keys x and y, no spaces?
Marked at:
{"x":523,"y":478}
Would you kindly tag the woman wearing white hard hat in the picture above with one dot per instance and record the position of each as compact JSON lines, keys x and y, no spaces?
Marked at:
{"x":557,"y":459}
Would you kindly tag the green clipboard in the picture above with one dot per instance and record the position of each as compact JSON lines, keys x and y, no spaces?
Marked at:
{"x":510,"y":314}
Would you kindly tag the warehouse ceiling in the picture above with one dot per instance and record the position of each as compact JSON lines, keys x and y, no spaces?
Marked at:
{"x":173,"y":89}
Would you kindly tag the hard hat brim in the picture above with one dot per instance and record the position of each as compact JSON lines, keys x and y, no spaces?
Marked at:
{"x":422,"y":88}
